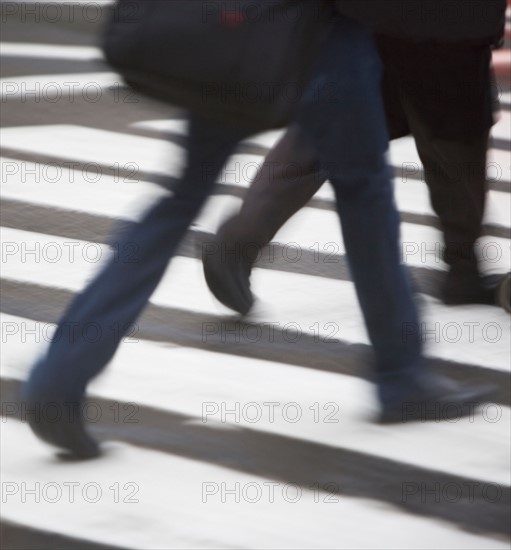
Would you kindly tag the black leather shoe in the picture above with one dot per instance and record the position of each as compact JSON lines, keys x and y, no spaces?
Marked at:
{"x":503,"y":293}
{"x":437,"y":398}
{"x":228,"y":276}
{"x":471,"y":288}
{"x":60,"y":423}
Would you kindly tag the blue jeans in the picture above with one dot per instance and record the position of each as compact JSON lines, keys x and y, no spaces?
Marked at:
{"x":349,"y":132}
{"x":343,"y":117}
{"x":104,"y":312}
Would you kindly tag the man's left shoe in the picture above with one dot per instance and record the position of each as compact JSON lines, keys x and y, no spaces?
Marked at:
{"x":59,"y":421}
{"x":436,"y":398}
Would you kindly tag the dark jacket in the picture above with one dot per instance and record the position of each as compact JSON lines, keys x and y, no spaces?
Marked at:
{"x":478,"y":21}
{"x":437,"y":58}
{"x":449,"y":84}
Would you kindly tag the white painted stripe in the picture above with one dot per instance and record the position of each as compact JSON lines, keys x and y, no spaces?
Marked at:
{"x":53,"y":88}
{"x":403,"y":153}
{"x":170,"y":506}
{"x":159,"y":156}
{"x":173,"y":126}
{"x":50,"y":51}
{"x":205,"y":385}
{"x":89,"y":190}
{"x":78,"y":190}
{"x":311,"y":303}
{"x":421,"y":245}
{"x":101,"y":146}
{"x":412,"y":196}
{"x":315,"y":230}
{"x":49,"y":185}
{"x":85,"y":190}
{"x":498,"y":208}
{"x":113,"y":149}
{"x":502,"y":130}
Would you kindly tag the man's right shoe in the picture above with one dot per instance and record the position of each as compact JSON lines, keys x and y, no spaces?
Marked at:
{"x":227,"y":275}
{"x":437,"y":398}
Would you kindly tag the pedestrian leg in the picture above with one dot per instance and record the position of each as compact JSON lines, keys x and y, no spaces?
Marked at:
{"x":288,"y":179}
{"x":115,"y":298}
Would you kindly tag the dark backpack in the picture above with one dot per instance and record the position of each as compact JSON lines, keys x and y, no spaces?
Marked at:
{"x":245,"y":61}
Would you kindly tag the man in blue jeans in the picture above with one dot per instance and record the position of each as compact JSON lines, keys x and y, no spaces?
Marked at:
{"x":343,"y":118}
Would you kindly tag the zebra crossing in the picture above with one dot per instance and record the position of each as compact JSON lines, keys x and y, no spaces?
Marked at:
{"x":220,"y":432}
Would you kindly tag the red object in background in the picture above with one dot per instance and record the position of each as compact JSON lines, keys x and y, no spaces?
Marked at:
{"x":502,"y":66}
{"x":232,"y":19}
{"x":502,"y":58}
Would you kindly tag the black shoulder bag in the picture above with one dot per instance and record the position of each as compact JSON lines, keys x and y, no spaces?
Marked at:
{"x":246,"y":61}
